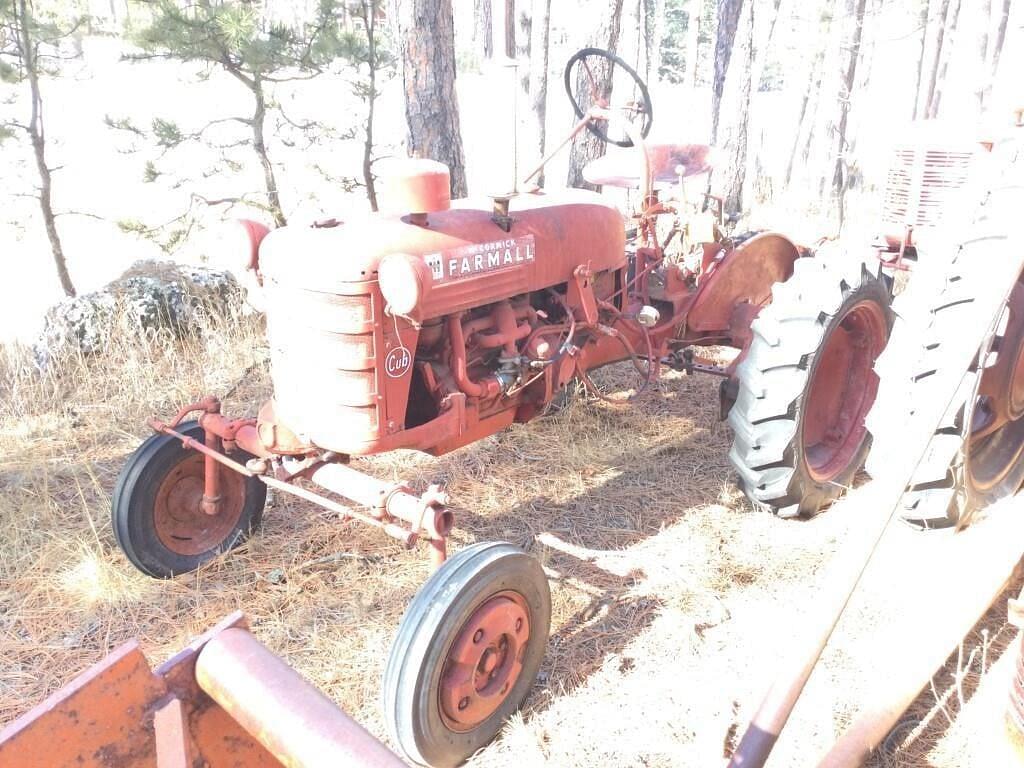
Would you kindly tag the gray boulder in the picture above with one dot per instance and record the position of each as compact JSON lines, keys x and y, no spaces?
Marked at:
{"x":151,"y":296}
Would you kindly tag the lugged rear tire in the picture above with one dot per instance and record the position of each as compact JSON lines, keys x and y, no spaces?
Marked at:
{"x":807,"y":382}
{"x":956,"y":476}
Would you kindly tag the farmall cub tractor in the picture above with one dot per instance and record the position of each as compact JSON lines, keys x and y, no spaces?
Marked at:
{"x":448,"y":321}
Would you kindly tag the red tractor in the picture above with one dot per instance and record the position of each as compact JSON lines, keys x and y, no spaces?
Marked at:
{"x":447,"y":321}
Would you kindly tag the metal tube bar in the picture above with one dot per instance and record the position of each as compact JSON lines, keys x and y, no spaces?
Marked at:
{"x":211,"y":477}
{"x":986,"y":555}
{"x":427,"y":512}
{"x":280,"y":709}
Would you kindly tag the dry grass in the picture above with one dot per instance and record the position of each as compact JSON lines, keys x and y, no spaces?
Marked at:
{"x":672,"y":599}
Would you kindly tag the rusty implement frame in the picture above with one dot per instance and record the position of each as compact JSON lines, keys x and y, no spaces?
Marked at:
{"x":876,"y":505}
{"x":225,"y":700}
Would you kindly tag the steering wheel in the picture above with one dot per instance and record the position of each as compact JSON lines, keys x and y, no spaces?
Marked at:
{"x":597,"y":77}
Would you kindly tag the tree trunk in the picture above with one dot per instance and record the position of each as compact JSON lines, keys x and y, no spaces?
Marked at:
{"x":586,"y":146}
{"x":855,"y":19}
{"x":692,"y":41}
{"x":510,"y":28}
{"x":370,"y":27}
{"x":728,"y":20}
{"x":994,"y":49}
{"x":259,"y":146}
{"x":37,"y":134}
{"x":813,"y":88}
{"x":920,"y":58}
{"x":947,"y":53}
{"x":539,"y":61}
{"x":654,"y":33}
{"x":762,"y":50}
{"x":483,"y":31}
{"x":735,"y":105}
{"x":928,"y":98}
{"x":428,"y":71}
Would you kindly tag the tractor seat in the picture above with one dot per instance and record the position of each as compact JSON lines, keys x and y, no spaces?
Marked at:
{"x":622,"y":169}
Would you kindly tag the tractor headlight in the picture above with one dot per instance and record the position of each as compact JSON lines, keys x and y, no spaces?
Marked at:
{"x":404,"y":281}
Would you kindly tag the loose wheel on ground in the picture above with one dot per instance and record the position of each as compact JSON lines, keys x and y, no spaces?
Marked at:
{"x":156,"y":514}
{"x":466,"y":654}
{"x":807,"y":383}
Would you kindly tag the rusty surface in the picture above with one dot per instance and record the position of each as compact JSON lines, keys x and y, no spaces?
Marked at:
{"x":174,"y":745}
{"x":744,"y":275}
{"x":484,"y":662}
{"x":415,"y":186}
{"x":843,"y":390}
{"x":120,"y":713}
{"x":96,"y":721}
{"x":179,"y":516}
{"x":281,"y":710}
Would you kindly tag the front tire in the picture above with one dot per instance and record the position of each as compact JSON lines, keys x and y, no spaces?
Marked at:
{"x":155,"y":512}
{"x":806,"y":384}
{"x":466,"y":654}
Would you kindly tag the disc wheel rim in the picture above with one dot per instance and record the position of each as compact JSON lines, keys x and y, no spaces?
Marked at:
{"x":180,"y":523}
{"x":842,"y":390}
{"x":991,"y":455}
{"x":484,"y":661}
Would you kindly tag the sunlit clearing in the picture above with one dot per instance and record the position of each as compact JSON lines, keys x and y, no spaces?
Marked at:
{"x":93,"y":581}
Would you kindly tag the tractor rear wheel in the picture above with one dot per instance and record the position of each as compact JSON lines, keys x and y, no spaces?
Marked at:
{"x":156,"y":513}
{"x":466,"y":654}
{"x":807,"y":382}
{"x":976,"y":456}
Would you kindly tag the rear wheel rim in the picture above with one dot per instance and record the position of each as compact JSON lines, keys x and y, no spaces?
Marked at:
{"x":485,"y":661}
{"x":178,"y":517}
{"x":842,"y":390}
{"x":991,"y":455}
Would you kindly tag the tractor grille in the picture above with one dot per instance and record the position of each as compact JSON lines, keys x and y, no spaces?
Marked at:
{"x":927,"y":172}
{"x":323,"y":364}
{"x":921,"y":183}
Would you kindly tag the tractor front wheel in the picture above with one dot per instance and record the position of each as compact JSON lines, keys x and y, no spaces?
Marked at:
{"x":156,"y":513}
{"x":466,"y":653}
{"x":806,"y":384}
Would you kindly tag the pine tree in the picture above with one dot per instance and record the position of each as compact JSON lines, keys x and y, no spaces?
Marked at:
{"x":30,"y":51}
{"x":258,"y":53}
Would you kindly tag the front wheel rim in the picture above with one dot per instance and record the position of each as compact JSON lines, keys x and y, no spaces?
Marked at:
{"x":178,"y":519}
{"x":485,"y":661}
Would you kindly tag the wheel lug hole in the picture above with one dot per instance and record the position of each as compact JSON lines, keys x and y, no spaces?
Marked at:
{"x":463,"y":703}
{"x":478,"y":636}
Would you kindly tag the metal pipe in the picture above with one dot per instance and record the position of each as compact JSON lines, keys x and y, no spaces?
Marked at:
{"x":280,"y":709}
{"x":211,"y":477}
{"x":427,"y":512}
{"x":486,"y":389}
{"x":986,"y":555}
